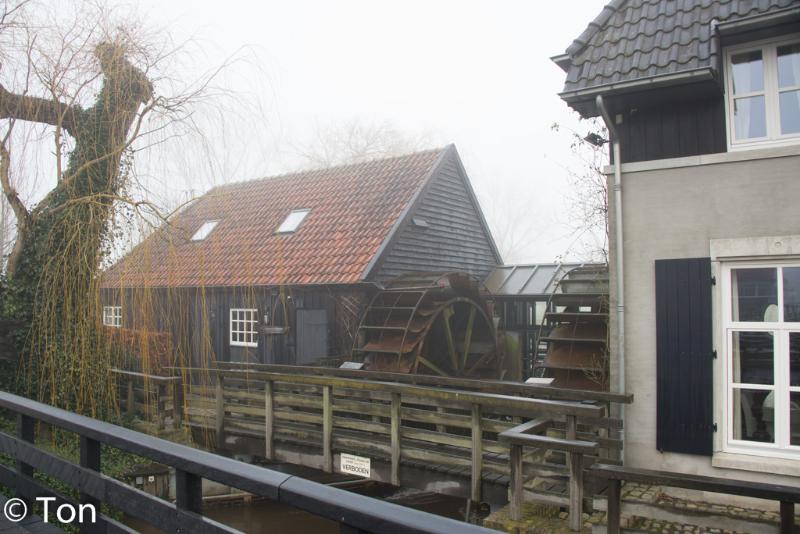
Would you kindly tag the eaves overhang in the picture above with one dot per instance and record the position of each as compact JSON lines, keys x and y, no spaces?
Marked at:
{"x":770,"y":19}
{"x":582,"y":100}
{"x":563,"y":61}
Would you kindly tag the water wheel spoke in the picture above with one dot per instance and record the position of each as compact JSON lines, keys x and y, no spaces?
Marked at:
{"x":430,"y":365}
{"x":447,"y":314}
{"x":468,"y":337}
{"x":480,"y":362}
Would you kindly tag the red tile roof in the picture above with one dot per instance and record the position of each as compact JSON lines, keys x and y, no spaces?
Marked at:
{"x":353,"y":210}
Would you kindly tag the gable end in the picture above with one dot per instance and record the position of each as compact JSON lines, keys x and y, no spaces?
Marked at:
{"x":443,"y":231}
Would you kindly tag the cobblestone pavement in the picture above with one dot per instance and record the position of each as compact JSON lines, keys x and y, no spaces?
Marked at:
{"x":541,"y":519}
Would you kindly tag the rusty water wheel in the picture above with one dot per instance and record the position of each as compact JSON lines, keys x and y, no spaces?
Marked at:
{"x":457,"y":341}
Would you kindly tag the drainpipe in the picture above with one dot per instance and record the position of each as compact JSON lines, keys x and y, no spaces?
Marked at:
{"x":618,"y":250}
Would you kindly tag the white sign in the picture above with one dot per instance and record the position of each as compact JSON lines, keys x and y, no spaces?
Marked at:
{"x":355,"y":465}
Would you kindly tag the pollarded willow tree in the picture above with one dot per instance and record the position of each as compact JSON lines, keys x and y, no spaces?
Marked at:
{"x":90,"y":86}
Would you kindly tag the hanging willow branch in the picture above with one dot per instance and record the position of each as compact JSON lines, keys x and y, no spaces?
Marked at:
{"x":59,"y":243}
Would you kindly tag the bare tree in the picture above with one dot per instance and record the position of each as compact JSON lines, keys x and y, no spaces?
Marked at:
{"x":96,"y":86}
{"x":588,"y":196}
{"x":356,"y":141}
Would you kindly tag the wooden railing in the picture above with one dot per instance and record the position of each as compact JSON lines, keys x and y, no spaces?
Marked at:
{"x":501,"y":387}
{"x":396,"y":421}
{"x":354,"y":513}
{"x":529,"y":435}
{"x":788,"y":496}
{"x":156,"y":398}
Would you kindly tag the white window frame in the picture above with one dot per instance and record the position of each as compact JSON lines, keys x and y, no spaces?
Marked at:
{"x":112,"y":316}
{"x":205,"y":229}
{"x":771,"y":91}
{"x":287,"y":228}
{"x":238,"y":319}
{"x":781,"y":367}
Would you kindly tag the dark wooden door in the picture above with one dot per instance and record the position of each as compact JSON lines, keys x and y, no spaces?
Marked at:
{"x":312,"y":336}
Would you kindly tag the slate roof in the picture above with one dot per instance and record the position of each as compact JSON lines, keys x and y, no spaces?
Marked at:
{"x":637,"y":39}
{"x":354,"y":208}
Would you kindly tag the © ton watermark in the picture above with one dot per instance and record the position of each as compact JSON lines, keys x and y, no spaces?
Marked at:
{"x":16,"y":510}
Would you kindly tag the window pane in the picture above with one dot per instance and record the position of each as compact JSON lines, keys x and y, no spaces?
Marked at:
{"x":292,"y":221}
{"x":748,"y":72}
{"x":204,"y":230}
{"x":791,"y":294}
{"x":749,"y":117}
{"x":754,"y":295}
{"x":789,"y":65}
{"x":753,"y":358}
{"x":790,"y":112}
{"x":794,"y":414}
{"x":541,"y":307}
{"x":794,"y":358}
{"x":753,"y":415}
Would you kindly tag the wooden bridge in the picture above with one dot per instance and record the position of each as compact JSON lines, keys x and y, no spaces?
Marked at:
{"x":32,"y":472}
{"x":447,"y":435}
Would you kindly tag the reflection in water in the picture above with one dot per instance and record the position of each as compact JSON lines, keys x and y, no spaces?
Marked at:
{"x":263,"y":517}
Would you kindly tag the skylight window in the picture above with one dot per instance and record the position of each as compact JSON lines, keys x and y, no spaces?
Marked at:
{"x":204,"y":230}
{"x":292,"y":221}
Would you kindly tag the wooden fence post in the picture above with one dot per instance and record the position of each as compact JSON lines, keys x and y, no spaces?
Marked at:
{"x":575,"y":491}
{"x":613,"y":509}
{"x":575,"y":467}
{"x":787,"y":517}
{"x":90,"y":459}
{"x":161,"y":404}
{"x":188,"y":495}
{"x":327,"y":428}
{"x":26,"y":431}
{"x":177,"y":403}
{"x":220,"y":411}
{"x":395,"y":428}
{"x":269,"y":420}
{"x":515,"y":456}
{"x":477,"y":453}
{"x":131,"y":400}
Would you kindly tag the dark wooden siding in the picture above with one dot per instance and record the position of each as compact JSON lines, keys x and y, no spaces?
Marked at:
{"x":454,"y":240}
{"x":199,"y":319}
{"x":673,"y":129}
{"x":684,"y":367}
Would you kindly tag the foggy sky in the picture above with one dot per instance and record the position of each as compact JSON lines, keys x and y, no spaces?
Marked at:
{"x":472,"y":73}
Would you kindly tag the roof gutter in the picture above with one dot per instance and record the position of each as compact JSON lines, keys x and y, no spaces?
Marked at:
{"x":640,"y":84}
{"x":769,"y":19}
{"x":619,"y":256}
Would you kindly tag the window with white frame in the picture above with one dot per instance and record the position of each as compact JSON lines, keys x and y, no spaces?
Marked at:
{"x":292,"y":221}
{"x":761,"y":311}
{"x":112,"y":316}
{"x":763,"y":88}
{"x":205,"y":229}
{"x":244,"y":323}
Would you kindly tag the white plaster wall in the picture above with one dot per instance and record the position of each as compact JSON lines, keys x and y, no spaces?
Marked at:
{"x":673,"y":209}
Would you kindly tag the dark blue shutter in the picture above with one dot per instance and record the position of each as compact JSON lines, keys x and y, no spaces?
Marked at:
{"x":684,"y":356}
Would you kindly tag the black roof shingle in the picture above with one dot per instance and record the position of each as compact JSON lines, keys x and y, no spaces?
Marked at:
{"x":637,"y":39}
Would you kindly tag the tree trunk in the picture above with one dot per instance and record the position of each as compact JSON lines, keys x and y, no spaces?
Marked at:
{"x":54,"y":265}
